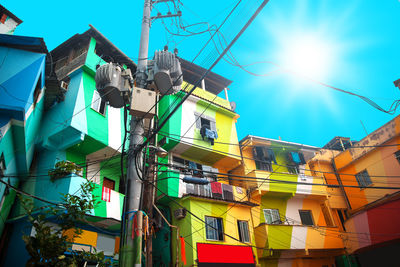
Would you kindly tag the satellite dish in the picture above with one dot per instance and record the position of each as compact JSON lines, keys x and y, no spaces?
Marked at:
{"x":233,"y":105}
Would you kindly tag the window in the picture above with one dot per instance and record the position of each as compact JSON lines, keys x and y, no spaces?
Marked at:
{"x":363,"y":179}
{"x":98,"y":104}
{"x":264,"y":157}
{"x":272,"y":216}
{"x":294,"y":160}
{"x":243,"y":227}
{"x":108,"y":183}
{"x":37,"y":91}
{"x":187,"y":166}
{"x":207,"y":127}
{"x":342,"y":219}
{"x":397,"y":156}
{"x":306,"y":217}
{"x":214,"y":230}
{"x":203,"y":120}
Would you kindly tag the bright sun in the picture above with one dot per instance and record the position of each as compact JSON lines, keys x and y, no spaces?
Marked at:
{"x":307,"y":55}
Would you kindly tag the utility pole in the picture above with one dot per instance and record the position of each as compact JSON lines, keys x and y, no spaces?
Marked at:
{"x":131,"y":244}
{"x":132,"y":220}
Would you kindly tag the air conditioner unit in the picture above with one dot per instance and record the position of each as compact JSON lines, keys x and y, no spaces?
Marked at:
{"x":180,"y":213}
{"x":64,"y":85}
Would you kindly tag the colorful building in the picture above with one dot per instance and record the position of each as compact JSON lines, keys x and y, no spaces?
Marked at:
{"x":213,"y":217}
{"x":8,"y":21}
{"x":293,"y":224}
{"x":22,"y":76}
{"x":68,"y":122}
{"x":367,"y":175}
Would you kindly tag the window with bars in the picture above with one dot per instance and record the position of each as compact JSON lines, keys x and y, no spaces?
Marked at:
{"x":306,"y":217}
{"x":243,"y":227}
{"x":264,"y":157}
{"x":98,"y":104}
{"x":294,"y":160}
{"x":214,"y":228}
{"x":187,"y":166}
{"x":363,"y":179}
{"x":272,"y":216}
{"x":206,"y":121}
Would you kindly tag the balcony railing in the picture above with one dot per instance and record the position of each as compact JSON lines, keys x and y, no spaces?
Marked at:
{"x":298,"y":184}
{"x":285,"y":236}
{"x":214,"y":190}
{"x":69,"y":67}
{"x":110,"y":202}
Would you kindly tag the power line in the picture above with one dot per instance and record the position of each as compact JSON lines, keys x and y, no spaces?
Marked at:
{"x":284,"y":181}
{"x":30,"y":195}
{"x":207,"y":71}
{"x":264,"y":161}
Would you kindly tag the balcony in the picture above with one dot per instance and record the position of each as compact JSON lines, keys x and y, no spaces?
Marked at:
{"x":64,"y":70}
{"x":110,"y":208}
{"x":214,"y":190}
{"x":172,"y":184}
{"x":298,"y":184}
{"x":296,"y":237}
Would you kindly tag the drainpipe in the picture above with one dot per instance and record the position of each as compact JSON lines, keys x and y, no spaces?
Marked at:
{"x":226,"y":94}
{"x":341,"y":184}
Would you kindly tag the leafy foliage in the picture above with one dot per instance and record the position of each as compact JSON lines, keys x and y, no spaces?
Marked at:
{"x":63,"y":168}
{"x":50,"y":243}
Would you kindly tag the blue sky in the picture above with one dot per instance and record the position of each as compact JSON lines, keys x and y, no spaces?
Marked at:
{"x":358,"y":49}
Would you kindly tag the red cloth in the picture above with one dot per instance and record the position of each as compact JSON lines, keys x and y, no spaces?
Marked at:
{"x":183,"y":250}
{"x":106,"y":194}
{"x":216,"y":188}
{"x":134,"y":225}
{"x":215,"y":253}
{"x":3,"y":18}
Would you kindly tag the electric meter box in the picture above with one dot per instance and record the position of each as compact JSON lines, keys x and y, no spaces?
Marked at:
{"x":143,"y":103}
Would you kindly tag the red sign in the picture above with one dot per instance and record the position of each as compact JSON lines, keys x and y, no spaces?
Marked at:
{"x":214,"y":253}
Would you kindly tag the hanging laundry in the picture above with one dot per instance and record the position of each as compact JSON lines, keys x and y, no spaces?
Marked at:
{"x":206,"y":132}
{"x":228,"y":191}
{"x":145,"y":226}
{"x":192,"y":165}
{"x":295,"y":157}
{"x":106,"y":194}
{"x":216,"y":189}
{"x":183,"y":250}
{"x":134,"y":225}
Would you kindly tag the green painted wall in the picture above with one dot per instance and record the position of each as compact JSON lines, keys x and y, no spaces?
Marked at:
{"x":173,"y":125}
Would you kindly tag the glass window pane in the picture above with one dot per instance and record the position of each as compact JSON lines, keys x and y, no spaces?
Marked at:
{"x":267,"y":216}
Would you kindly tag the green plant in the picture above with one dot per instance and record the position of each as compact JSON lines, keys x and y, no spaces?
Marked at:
{"x":63,"y":168}
{"x":49,"y":245}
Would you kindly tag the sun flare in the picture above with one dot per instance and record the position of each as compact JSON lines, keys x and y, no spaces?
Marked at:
{"x":308,"y":55}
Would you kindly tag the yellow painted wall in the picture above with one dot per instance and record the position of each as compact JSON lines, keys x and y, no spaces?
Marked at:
{"x":86,"y":237}
{"x":195,"y":230}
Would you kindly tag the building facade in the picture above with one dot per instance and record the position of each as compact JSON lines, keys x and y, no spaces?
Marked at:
{"x":211,"y":215}
{"x":8,"y":21}
{"x":66,"y":121}
{"x":293,"y":225}
{"x":366,"y":196}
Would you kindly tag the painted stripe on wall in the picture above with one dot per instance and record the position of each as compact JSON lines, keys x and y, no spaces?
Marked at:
{"x":188,"y":119}
{"x":114,"y":128}
{"x":79,"y":120}
{"x":299,"y":235}
{"x":113,"y":207}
